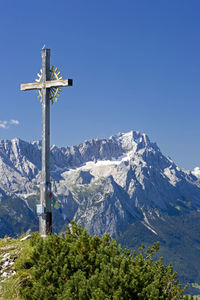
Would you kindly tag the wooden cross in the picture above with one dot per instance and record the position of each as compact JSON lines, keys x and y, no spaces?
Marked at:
{"x":44,"y":86}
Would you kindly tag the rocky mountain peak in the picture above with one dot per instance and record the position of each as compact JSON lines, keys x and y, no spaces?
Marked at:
{"x":142,"y":176}
{"x":133,"y":141}
{"x":118,"y":184}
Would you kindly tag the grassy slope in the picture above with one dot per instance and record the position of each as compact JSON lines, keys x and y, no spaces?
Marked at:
{"x":12,"y":250}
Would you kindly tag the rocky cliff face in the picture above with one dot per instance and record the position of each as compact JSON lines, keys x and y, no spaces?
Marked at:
{"x":103,"y":184}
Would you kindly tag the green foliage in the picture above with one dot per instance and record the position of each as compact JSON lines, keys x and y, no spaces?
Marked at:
{"x":196,"y":285}
{"x":179,"y":243}
{"x":77,"y":266}
{"x":191,"y":297}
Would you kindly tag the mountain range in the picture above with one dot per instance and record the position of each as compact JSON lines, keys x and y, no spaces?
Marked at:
{"x":122,"y":185}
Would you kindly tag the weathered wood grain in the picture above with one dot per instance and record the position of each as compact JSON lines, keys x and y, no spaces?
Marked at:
{"x":46,"y":84}
{"x":45,"y":218}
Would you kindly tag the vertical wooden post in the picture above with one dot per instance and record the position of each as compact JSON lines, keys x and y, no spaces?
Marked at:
{"x":44,"y":84}
{"x":45,"y":219}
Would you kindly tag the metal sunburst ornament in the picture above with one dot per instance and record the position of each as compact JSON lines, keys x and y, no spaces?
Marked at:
{"x":54,"y":91}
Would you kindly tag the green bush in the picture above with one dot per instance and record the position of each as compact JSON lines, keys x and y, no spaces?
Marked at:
{"x":77,"y":266}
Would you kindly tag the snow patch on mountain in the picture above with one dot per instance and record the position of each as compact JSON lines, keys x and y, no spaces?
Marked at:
{"x":171,"y":175}
{"x":146,"y":222}
{"x":196,"y":172}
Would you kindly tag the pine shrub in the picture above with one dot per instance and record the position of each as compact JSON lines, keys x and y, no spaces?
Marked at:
{"x":77,"y":266}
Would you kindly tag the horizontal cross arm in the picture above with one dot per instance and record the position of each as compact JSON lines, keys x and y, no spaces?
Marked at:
{"x":47,"y":84}
{"x":57,"y":83}
{"x":30,"y":86}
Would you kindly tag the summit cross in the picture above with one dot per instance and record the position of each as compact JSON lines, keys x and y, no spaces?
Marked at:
{"x":48,"y":86}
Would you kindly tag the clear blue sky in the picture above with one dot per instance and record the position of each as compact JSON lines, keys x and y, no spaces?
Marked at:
{"x":135,"y":65}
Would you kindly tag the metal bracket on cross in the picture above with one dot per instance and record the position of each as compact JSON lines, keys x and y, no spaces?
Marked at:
{"x":54,"y":84}
{"x":54,"y":91}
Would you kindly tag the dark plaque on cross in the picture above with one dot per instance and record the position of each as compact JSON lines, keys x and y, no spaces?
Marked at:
{"x":48,"y":86}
